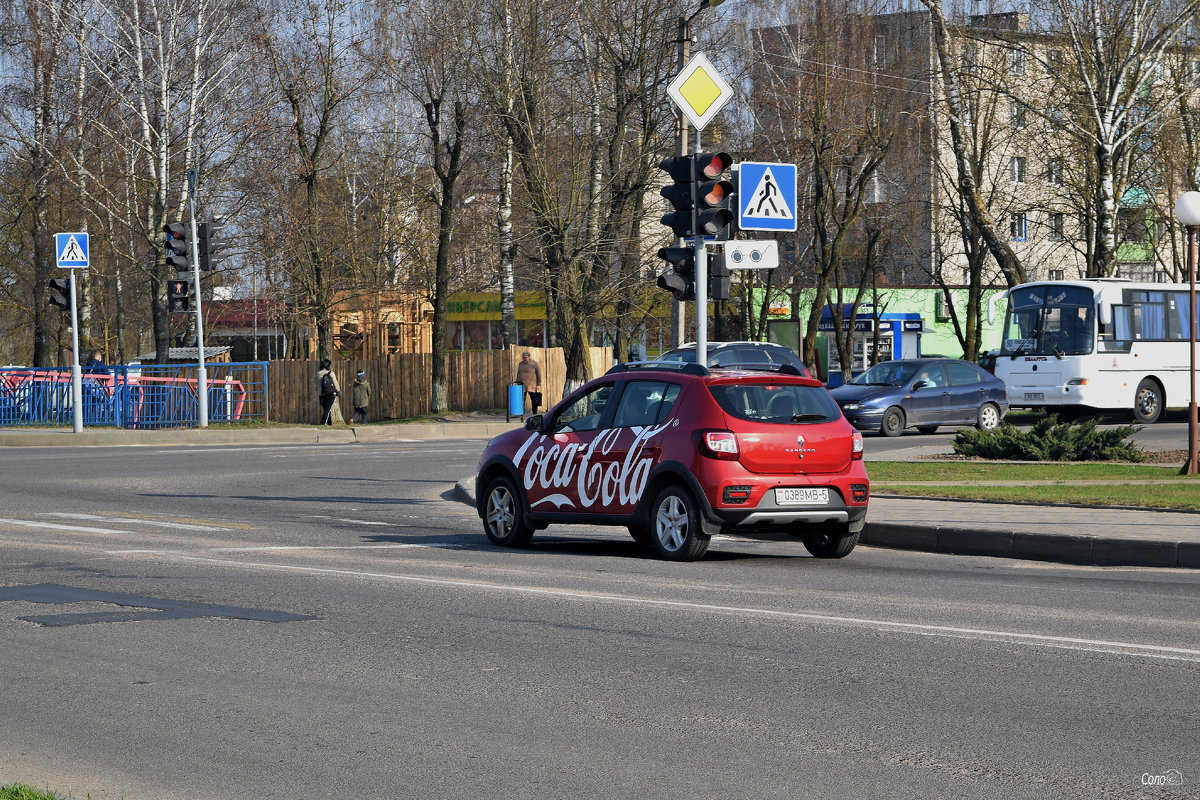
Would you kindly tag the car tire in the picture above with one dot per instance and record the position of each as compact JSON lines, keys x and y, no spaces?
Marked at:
{"x":641,"y":534}
{"x":830,"y":541}
{"x":988,"y":417}
{"x":1147,"y":402}
{"x":927,"y":428}
{"x":893,"y":422}
{"x":504,"y":519}
{"x":675,"y":527}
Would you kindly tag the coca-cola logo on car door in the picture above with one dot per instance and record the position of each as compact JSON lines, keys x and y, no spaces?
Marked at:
{"x":593,"y":468}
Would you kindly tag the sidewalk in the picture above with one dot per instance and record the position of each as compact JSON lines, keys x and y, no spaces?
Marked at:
{"x":1067,"y":534}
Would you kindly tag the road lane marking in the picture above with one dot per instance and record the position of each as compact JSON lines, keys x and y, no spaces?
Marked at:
{"x":135,"y":521}
{"x":979,"y":634}
{"x":347,"y":519}
{"x":266,"y":548}
{"x":53,"y":526}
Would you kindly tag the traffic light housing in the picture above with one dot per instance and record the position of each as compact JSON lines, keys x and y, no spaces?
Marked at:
{"x":60,"y":293}
{"x":680,"y":279}
{"x":209,"y":244}
{"x":177,"y":296}
{"x":177,"y":246}
{"x":719,"y":284}
{"x":714,"y":193}
{"x":678,"y":194}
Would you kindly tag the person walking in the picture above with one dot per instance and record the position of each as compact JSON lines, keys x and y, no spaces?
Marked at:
{"x":329,"y":390}
{"x":529,"y":374}
{"x":360,"y":396}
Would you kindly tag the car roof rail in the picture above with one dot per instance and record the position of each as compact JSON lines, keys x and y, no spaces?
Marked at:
{"x":764,"y":366}
{"x":686,"y":367}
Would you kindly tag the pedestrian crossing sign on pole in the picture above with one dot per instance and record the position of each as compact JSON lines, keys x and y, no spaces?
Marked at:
{"x":766,"y":195}
{"x":71,"y":250}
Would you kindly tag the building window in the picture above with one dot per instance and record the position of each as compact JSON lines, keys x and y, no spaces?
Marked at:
{"x":1057,"y":120}
{"x":970,"y":56}
{"x":880,"y":55}
{"x":1016,"y":169}
{"x":1016,"y":62}
{"x":1132,"y":225}
{"x":1016,"y":115}
{"x":1056,"y":226}
{"x":1054,"y":63}
{"x":1018,"y":227}
{"x":1054,"y":172}
{"x":1056,"y":274}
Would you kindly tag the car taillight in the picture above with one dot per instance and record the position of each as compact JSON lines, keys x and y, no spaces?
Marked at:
{"x":736,"y":494}
{"x":856,"y":452}
{"x":719,"y":444}
{"x":859,"y":492}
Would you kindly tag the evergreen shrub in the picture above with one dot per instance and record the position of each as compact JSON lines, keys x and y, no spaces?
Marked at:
{"x":1051,"y":440}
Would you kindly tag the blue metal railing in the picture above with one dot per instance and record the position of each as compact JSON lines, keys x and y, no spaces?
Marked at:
{"x":135,"y":396}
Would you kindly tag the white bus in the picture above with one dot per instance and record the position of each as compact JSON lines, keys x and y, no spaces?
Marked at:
{"x":1074,"y":346}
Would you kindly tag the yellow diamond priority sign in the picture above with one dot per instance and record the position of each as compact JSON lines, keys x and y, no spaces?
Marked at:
{"x":699,"y":91}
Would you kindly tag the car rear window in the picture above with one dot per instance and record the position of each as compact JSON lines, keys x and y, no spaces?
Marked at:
{"x":776,"y":402}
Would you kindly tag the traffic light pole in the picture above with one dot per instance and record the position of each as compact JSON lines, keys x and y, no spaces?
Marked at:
{"x":76,"y":372}
{"x":678,"y":308}
{"x":701,"y":267}
{"x":201,"y":372}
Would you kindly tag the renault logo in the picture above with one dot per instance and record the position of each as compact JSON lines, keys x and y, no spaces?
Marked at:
{"x":800,"y":441}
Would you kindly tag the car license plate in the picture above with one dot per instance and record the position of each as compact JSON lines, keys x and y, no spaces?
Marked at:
{"x":1034,"y":396}
{"x":802,"y":497}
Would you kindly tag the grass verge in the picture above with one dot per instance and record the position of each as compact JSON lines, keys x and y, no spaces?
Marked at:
{"x":19,"y":791}
{"x":1092,"y":484}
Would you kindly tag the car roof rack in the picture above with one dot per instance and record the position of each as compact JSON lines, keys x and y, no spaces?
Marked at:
{"x":686,"y":367}
{"x":762,"y":366}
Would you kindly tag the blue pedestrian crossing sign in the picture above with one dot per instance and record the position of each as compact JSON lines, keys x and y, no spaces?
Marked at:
{"x":71,"y":250}
{"x":766,"y":196}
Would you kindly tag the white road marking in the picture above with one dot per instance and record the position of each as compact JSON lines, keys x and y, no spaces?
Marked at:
{"x":980,"y":634}
{"x":28,"y":523}
{"x":135,"y":521}
{"x":265,"y":548}
{"x":347,"y":519}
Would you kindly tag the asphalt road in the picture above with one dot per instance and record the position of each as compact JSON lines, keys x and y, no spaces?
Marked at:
{"x":322,"y":621}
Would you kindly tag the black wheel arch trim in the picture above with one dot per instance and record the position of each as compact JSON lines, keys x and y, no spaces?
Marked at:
{"x":497,"y":465}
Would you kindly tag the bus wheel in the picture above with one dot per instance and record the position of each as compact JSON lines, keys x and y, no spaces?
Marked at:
{"x":1148,"y":401}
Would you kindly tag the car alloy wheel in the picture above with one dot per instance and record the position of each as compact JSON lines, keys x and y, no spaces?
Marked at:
{"x":989,"y":417}
{"x":678,"y":535}
{"x":504,"y":517}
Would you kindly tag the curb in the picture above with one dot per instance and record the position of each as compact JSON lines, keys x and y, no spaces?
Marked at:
{"x":1095,"y":551}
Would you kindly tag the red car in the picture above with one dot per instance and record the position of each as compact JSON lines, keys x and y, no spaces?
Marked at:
{"x":679,"y":453}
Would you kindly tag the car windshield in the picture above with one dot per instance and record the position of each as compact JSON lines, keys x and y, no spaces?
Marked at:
{"x":738,"y":355}
{"x":1049,"y":321}
{"x":887,"y":374}
{"x":776,"y":402}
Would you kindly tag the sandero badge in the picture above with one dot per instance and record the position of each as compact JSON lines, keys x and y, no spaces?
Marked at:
{"x":676,"y":453}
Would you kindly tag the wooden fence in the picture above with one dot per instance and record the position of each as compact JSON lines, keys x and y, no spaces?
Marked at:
{"x":401,"y":386}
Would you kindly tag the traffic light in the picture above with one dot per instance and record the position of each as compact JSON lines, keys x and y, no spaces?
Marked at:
{"x":714,"y":192}
{"x":209,"y":244}
{"x":177,"y":246}
{"x":678,"y":194}
{"x":177,"y":296}
{"x":60,"y":293}
{"x":718,"y":277}
{"x":680,"y":279}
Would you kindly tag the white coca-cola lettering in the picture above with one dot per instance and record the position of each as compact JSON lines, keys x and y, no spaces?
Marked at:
{"x":599,"y":478}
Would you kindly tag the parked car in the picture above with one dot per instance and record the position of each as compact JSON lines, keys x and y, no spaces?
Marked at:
{"x":925,"y":393}
{"x":738,"y":354}
{"x":678,"y":453}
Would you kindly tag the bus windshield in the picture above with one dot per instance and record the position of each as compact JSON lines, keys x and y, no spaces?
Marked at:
{"x":1049,"y":320}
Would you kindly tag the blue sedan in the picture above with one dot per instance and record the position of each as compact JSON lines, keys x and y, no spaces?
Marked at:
{"x":923,"y":393}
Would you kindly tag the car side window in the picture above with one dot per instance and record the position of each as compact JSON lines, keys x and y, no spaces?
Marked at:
{"x":932,"y":375}
{"x":584,"y":412}
{"x":645,"y":402}
{"x":962,"y":374}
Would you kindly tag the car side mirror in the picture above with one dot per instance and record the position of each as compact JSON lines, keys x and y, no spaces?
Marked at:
{"x":534,"y":423}
{"x":920,"y":385}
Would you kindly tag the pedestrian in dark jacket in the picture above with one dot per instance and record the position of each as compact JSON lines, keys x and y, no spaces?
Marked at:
{"x":328,"y":390}
{"x":360,"y":395}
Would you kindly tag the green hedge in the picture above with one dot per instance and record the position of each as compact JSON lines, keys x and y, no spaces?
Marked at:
{"x":1051,"y":440}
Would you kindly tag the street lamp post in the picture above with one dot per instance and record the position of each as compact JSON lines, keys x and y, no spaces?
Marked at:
{"x":678,"y":311}
{"x":1187,"y":211}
